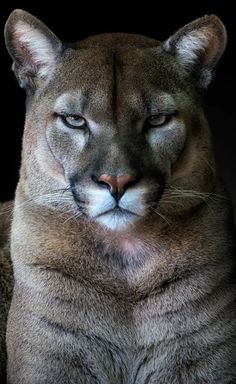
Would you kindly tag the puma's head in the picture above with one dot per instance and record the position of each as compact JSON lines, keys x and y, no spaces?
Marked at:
{"x":116,"y":119}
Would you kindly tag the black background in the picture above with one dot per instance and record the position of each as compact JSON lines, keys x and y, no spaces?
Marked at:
{"x":72,"y":21}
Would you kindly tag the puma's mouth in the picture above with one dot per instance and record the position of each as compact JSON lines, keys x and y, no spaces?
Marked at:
{"x":98,"y":204}
{"x":117,"y":210}
{"x":117,"y":218}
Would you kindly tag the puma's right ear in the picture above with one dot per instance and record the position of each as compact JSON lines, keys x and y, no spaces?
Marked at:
{"x":198,"y":46}
{"x":32,"y":46}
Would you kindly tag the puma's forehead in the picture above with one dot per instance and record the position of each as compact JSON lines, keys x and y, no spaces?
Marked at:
{"x":117,"y":40}
{"x":96,"y":73}
{"x":78,"y":101}
{"x":122,"y":82}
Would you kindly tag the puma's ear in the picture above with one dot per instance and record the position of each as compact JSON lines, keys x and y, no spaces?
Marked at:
{"x":199,"y":46}
{"x":32,"y":46}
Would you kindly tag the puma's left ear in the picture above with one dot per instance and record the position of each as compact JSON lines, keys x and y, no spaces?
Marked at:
{"x":199,"y":46}
{"x":32,"y":46}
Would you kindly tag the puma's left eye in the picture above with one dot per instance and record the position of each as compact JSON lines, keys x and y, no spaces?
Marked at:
{"x":74,"y":121}
{"x":157,"y":120}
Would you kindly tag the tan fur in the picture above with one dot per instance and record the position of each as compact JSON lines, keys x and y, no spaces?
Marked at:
{"x":6,"y":279}
{"x":150,"y":299}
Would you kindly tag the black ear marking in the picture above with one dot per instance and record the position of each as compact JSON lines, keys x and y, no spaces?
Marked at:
{"x":198,"y":46}
{"x":32,"y":46}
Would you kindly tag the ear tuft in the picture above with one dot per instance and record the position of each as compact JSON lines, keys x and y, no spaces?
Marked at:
{"x":33,"y":47}
{"x":198,"y":46}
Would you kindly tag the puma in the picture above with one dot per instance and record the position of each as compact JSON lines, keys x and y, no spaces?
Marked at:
{"x":122,"y":238}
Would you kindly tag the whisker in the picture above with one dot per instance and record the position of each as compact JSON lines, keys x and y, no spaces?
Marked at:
{"x":175,"y":196}
{"x":193,"y":192}
{"x":53,"y":196}
{"x":155,"y":210}
{"x":210,"y":166}
{"x":75,"y":216}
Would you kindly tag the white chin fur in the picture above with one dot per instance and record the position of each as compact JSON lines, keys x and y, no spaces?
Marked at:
{"x":117,"y":221}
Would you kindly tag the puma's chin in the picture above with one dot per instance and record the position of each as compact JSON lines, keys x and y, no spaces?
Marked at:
{"x":118,"y":220}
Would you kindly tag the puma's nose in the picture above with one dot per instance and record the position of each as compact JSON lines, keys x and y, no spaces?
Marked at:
{"x":117,"y":185}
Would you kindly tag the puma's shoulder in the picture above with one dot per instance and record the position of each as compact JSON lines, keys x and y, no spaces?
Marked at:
{"x":5,"y":221}
{"x":6,"y":277}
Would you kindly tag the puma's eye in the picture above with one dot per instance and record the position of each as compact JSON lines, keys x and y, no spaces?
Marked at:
{"x":157,"y":120}
{"x":74,"y":121}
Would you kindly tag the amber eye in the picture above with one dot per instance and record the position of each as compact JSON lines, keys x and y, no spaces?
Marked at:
{"x":157,"y":120}
{"x":74,"y":121}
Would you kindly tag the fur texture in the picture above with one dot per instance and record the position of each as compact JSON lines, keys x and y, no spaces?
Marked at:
{"x":6,"y":280}
{"x":135,"y":290}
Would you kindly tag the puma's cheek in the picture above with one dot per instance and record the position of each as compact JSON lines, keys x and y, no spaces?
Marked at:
{"x":169,"y":140}
{"x":48,"y":163}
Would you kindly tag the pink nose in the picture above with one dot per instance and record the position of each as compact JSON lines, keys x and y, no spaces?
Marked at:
{"x":117,"y":185}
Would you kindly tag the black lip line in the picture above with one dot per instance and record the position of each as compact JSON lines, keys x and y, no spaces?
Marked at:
{"x":110,"y":210}
{"x":78,"y":201}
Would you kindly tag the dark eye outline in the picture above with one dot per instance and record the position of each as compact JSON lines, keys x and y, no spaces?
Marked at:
{"x":168,"y":117}
{"x":64,"y":117}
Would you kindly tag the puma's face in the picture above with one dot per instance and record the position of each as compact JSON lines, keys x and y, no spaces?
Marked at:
{"x":115,"y":118}
{"x":116,"y":131}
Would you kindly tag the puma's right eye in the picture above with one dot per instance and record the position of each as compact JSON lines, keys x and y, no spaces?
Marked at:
{"x":156,"y":121}
{"x":74,"y":121}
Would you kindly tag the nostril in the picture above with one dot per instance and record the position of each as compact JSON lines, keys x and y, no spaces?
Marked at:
{"x":100,"y":181}
{"x":116,"y":185}
{"x":95,"y":179}
{"x":109,"y":181}
{"x":104,"y":183}
{"x":129,"y":184}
